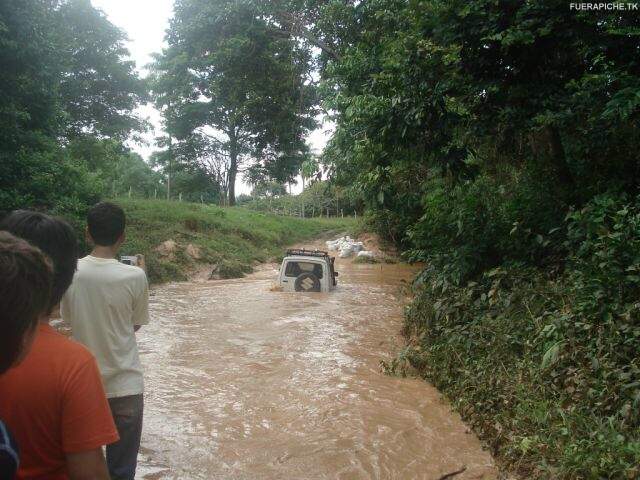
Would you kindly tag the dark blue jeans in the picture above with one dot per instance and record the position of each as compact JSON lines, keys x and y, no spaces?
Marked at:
{"x":122,"y":456}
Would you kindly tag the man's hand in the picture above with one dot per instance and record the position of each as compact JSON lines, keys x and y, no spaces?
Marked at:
{"x":89,"y":465}
{"x":141,"y":262}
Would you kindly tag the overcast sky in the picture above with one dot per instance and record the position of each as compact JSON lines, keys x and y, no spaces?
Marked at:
{"x":145,"y":22}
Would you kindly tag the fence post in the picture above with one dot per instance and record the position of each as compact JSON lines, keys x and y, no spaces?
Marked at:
{"x":155,"y":194}
{"x":342,"y":213}
{"x":129,"y":191}
{"x":180,"y":196}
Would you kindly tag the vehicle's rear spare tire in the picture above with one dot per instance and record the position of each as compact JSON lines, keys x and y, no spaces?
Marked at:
{"x":307,"y":282}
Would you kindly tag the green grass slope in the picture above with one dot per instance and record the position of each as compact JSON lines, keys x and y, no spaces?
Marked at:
{"x":234,"y":238}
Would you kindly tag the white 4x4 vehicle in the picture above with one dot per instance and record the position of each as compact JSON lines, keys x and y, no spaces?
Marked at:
{"x":307,"y":271}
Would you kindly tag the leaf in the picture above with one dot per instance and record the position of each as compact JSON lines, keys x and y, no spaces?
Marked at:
{"x":551,"y":356}
{"x":493,"y":272}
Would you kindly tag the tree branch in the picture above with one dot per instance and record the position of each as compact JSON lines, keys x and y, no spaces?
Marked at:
{"x":293,"y":26}
{"x":452,"y":474}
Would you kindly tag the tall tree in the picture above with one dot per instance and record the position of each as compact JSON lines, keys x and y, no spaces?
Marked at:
{"x":99,"y":88}
{"x":229,"y":82}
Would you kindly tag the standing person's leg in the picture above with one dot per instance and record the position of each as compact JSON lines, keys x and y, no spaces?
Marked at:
{"x":122,"y":456}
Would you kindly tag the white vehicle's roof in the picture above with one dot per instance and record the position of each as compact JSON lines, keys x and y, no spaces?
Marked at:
{"x":307,"y":258}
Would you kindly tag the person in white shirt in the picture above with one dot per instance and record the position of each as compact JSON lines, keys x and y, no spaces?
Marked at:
{"x":106,"y":304}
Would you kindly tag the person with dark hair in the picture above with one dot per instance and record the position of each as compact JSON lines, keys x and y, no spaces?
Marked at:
{"x":25,"y":291}
{"x":106,"y":304}
{"x":25,"y":288}
{"x":105,"y":224}
{"x":55,"y":238}
{"x":54,"y":401}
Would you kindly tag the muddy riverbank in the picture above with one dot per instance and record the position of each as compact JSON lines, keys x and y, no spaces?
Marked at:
{"x":246,"y":383}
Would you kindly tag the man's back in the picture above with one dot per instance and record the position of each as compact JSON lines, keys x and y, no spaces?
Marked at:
{"x":106,"y":300}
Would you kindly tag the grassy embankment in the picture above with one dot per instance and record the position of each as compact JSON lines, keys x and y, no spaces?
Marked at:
{"x":233,"y":239}
{"x":543,"y":361}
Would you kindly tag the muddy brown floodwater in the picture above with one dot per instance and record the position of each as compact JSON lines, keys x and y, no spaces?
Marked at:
{"x":246,"y":383}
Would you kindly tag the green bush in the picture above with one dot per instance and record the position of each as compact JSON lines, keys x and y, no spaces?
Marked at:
{"x":543,"y":363}
{"x":482,"y":223}
{"x":46,"y":179}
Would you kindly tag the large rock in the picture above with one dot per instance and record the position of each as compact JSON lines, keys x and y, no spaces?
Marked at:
{"x":167,"y":249}
{"x":193,"y":251}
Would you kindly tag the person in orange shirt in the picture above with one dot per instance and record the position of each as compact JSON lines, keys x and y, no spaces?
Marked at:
{"x":54,"y":401}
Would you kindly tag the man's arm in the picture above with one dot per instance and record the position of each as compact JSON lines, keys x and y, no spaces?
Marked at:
{"x":89,"y":465}
{"x":141,"y":304}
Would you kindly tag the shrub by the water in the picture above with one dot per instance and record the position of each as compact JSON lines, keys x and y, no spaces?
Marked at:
{"x":544,"y":362}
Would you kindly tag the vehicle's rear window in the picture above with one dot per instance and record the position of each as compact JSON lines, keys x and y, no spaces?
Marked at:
{"x":294,"y":269}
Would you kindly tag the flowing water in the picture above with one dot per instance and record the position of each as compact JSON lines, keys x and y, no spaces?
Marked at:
{"x":247,"y":383}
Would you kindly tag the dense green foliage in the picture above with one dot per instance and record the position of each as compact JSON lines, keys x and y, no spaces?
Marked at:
{"x":460,"y":90}
{"x":545,"y":364}
{"x":67,"y":93}
{"x":186,"y":180}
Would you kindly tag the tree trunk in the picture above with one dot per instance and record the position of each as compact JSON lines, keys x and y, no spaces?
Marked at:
{"x":558,"y":156}
{"x":233,"y":168}
{"x":233,"y":172}
{"x":295,"y":26}
{"x":170,"y":166}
